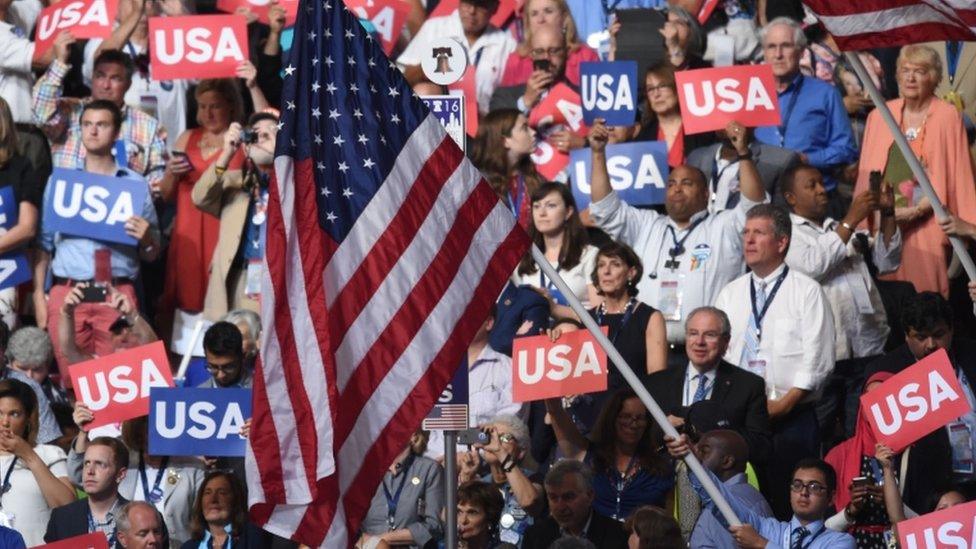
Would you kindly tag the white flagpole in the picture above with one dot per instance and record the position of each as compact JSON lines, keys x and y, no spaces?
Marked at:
{"x":917,"y":169}
{"x":635,"y":383}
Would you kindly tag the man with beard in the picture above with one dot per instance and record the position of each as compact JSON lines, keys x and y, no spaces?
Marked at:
{"x":240,"y":199}
{"x":689,"y":254}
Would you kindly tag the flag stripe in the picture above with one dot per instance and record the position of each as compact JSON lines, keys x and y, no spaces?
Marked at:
{"x":876,"y":23}
{"x":881,"y":21}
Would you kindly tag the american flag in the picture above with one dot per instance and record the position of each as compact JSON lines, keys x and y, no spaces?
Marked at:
{"x":385,"y":250}
{"x":864,"y":24}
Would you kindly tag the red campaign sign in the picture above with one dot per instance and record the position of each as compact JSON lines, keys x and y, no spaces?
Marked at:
{"x":548,"y":160}
{"x":505,"y":10}
{"x":466,"y":85}
{"x":954,"y":528}
{"x":260,"y":8}
{"x":915,"y":402}
{"x":96,"y":540}
{"x":84,"y":18}
{"x":561,"y":106}
{"x":197,"y":46}
{"x":711,"y":98}
{"x":572,"y":365}
{"x":116,"y":387}
{"x":387,"y":16}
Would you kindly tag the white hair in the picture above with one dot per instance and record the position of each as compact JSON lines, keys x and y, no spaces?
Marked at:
{"x":799,"y":38}
{"x":247,"y":317}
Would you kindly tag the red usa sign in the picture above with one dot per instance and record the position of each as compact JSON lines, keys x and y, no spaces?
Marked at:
{"x":549,"y":160}
{"x":572,"y":365}
{"x":116,"y":387}
{"x":84,"y":18}
{"x":561,"y":106}
{"x":915,"y":402}
{"x":96,"y":540}
{"x":261,"y":8}
{"x":387,"y":16}
{"x":954,"y":528}
{"x":197,"y":46}
{"x":711,"y":98}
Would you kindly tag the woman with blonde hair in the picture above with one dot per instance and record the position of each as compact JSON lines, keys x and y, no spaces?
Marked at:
{"x":555,"y":14}
{"x":935,"y":132}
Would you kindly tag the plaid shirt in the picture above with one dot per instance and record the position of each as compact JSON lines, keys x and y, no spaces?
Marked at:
{"x":60,"y":119}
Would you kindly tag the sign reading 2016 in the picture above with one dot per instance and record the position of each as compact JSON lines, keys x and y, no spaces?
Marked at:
{"x":94,"y":206}
{"x":198,"y":422}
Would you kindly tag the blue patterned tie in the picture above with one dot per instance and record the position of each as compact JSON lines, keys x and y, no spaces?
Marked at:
{"x":797,"y":537}
{"x":702,"y":388}
{"x":751,"y":349}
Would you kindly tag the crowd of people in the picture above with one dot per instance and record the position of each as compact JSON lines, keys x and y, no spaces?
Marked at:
{"x":790,"y":270}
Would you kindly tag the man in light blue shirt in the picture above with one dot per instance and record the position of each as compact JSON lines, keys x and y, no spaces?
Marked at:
{"x":811,"y":494}
{"x":814,"y":121}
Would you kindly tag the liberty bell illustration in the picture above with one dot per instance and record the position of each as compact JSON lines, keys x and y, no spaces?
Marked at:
{"x":443,"y":66}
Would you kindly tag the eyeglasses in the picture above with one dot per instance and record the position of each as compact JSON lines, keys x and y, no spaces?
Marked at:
{"x":813,"y":487}
{"x":709,"y":336}
{"x":551,"y":52}
{"x":506,"y":437}
{"x":659,"y":87}
{"x":627,"y":418}
{"x":225,"y":368}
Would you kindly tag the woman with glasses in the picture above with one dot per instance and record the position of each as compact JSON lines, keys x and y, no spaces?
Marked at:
{"x":553,"y":14}
{"x":622,"y":450}
{"x":661,"y":120}
{"x":502,"y":150}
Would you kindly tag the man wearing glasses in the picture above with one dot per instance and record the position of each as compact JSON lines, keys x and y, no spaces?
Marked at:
{"x":223,"y":346}
{"x":811,"y":493}
{"x":548,"y":50}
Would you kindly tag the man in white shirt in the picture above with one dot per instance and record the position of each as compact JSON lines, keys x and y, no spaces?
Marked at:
{"x":689,"y":254}
{"x":488,"y":46}
{"x":783,"y":331}
{"x":829,"y":251}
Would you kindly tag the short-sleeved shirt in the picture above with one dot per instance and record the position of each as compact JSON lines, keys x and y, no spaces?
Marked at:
{"x":24,"y":500}
{"x":26,"y":182}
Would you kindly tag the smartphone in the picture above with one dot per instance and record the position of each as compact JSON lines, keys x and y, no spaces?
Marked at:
{"x":541,"y":64}
{"x":184,"y":156}
{"x":862,"y":481}
{"x":474,"y":435}
{"x":94,"y":294}
{"x":875,"y":181}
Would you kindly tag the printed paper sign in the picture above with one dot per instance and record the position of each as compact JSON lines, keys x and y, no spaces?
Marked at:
{"x":562,"y":106}
{"x":84,"y":18}
{"x":197,"y":46}
{"x":953,"y":528}
{"x":387,"y":16}
{"x":548,"y":160}
{"x":96,"y":540}
{"x":505,"y":10}
{"x":95,"y":206}
{"x":116,"y":387}
{"x":572,"y":365}
{"x":449,"y":109}
{"x":198,"y":422}
{"x":638,"y":172}
{"x":14,"y":267}
{"x":610,"y":92}
{"x":261,"y":8}
{"x":711,"y":98}
{"x":915,"y":402}
{"x":450,"y":412}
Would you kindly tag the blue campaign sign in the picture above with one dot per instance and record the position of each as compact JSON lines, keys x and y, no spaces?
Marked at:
{"x":14,"y":267}
{"x":609,"y":90}
{"x":93,"y":206}
{"x":638,"y":172}
{"x":197,"y":422}
{"x":449,"y":109}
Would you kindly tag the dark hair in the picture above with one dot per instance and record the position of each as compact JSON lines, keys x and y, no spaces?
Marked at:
{"x":574,"y":234}
{"x":965,"y":489}
{"x":925,"y":311}
{"x":135,"y":433}
{"x":104,"y":105}
{"x":238,"y":513}
{"x":261,"y":116}
{"x":603,"y":438}
{"x":655,"y":529}
{"x":830,"y":477}
{"x":224,"y":339}
{"x":118,"y":57}
{"x":22,"y":393}
{"x":488,"y":153}
{"x":624,"y":253}
{"x":788,"y":179}
{"x":119,"y":452}
{"x":4,"y":337}
{"x":488,"y":498}
{"x":782,"y":225}
{"x":664,"y":72}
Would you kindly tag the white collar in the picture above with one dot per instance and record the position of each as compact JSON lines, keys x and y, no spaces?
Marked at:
{"x":772,"y":276}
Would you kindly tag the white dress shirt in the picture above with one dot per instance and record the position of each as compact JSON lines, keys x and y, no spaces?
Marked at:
{"x":724,"y":182}
{"x":818,"y":252}
{"x":16,"y":78}
{"x":797,"y":341}
{"x":488,"y":54}
{"x":578,"y":278}
{"x":712,"y":255}
{"x":692,"y":381}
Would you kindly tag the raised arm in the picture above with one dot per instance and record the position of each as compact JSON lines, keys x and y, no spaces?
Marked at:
{"x":571,"y":442}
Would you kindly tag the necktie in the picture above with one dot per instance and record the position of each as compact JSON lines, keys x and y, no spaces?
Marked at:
{"x":689,"y":506}
{"x":751,"y":349}
{"x":797,"y":537}
{"x":702,"y":388}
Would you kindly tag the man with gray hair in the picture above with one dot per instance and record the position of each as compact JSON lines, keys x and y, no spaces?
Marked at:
{"x":21,"y":346}
{"x":140,"y":526}
{"x":569,"y":489}
{"x":815,"y":122}
{"x":783,"y":332}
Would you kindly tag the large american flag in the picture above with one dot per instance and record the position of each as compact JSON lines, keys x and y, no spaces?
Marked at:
{"x":385,"y":250}
{"x":865,"y":24}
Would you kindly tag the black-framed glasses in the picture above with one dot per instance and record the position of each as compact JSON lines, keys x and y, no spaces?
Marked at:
{"x":813,"y":487}
{"x":228,"y":368}
{"x":548,"y":52}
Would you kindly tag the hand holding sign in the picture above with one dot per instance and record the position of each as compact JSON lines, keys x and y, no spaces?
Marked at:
{"x":952,"y":527}
{"x":198,"y":422}
{"x":93,"y":206}
{"x":84,"y":18}
{"x":96,"y":540}
{"x":609,"y":92}
{"x":573,"y":364}
{"x":638,"y":171}
{"x":199,"y":46}
{"x":711,"y":98}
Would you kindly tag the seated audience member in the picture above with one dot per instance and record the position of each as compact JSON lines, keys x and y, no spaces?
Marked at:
{"x":106,"y":463}
{"x":479,"y":511}
{"x":554,"y":14}
{"x":569,"y":490}
{"x":128,"y":328}
{"x":30,"y":352}
{"x":811,"y":493}
{"x":782,"y":330}
{"x":928,"y":322}
{"x":407,"y":506}
{"x":249,"y":323}
{"x":49,"y":429}
{"x":141,"y":526}
{"x":488,"y":46}
{"x":224,"y":350}
{"x":951,"y":496}
{"x":720,"y":164}
{"x":622,"y":451}
{"x":829,"y":251}
{"x":35,"y":477}
{"x":661,"y":120}
{"x":739,"y":394}
{"x":653,"y":528}
{"x":521,"y":487}
{"x":220,"y":516}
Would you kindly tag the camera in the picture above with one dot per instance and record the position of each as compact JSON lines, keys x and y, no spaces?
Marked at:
{"x":249,"y":136}
{"x":474,"y":435}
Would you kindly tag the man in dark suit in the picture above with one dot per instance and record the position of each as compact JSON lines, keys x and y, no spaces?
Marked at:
{"x":739,"y":395}
{"x":569,"y":489}
{"x":106,"y":463}
{"x":719,"y":163}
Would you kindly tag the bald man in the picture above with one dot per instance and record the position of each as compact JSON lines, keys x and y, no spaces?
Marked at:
{"x":725,"y":452}
{"x":549,"y":53}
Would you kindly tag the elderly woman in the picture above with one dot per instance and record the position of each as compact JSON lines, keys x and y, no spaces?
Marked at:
{"x":934,"y":130}
{"x":249,"y":323}
{"x":30,"y":352}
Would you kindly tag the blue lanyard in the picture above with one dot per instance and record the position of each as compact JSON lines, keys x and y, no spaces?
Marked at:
{"x":93,"y":527}
{"x":679,"y":245}
{"x":620,"y":482}
{"x":717,"y":174}
{"x":756,"y":313}
{"x":515,"y":202}
{"x":392,"y":501}
{"x":146,"y":492}
{"x":789,"y":110}
{"x":953,"y":49}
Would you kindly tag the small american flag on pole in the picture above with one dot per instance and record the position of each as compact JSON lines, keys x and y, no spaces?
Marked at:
{"x":864,"y":24}
{"x":385,"y":250}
